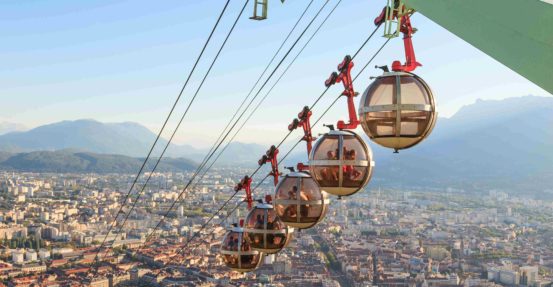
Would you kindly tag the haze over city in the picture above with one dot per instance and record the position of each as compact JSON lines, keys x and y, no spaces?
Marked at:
{"x":401,"y":143}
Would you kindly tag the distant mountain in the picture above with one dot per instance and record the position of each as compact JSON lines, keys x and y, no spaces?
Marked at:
{"x":243,"y":154}
{"x":68,"y":161}
{"x":129,"y":139}
{"x":506,"y":144}
{"x":7,"y":127}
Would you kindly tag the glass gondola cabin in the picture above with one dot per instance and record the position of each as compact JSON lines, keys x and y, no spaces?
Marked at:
{"x":237,"y":252}
{"x":265,"y":231}
{"x":397,"y":110}
{"x":299,"y":201}
{"x":341,"y":162}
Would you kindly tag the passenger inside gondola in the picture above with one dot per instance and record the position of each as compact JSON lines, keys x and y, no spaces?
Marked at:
{"x":235,"y":244}
{"x":246,"y":259}
{"x":290,"y":211}
{"x":350,"y":173}
{"x":259,"y":224}
{"x":274,"y":224}
{"x":330,"y":173}
{"x":231,"y":242}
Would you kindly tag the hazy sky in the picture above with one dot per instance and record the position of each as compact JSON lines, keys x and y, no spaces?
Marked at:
{"x":120,"y":61}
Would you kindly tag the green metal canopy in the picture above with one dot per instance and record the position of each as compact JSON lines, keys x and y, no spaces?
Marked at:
{"x":517,"y":33}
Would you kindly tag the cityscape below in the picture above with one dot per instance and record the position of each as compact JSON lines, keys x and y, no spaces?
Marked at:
{"x":53,"y":224}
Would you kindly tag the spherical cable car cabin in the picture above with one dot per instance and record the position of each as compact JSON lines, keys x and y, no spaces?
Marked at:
{"x":265,"y":231}
{"x":341,"y":162}
{"x":237,"y":252}
{"x":299,"y":201}
{"x":397,"y":110}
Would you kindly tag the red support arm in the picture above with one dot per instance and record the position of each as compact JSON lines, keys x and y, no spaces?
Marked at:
{"x":303,"y":120}
{"x":405,"y":27}
{"x":345,"y":77}
{"x":271,"y":156}
{"x":410,"y":60}
{"x":246,"y":184}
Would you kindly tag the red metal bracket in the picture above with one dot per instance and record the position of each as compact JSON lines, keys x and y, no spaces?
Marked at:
{"x":246,"y":184}
{"x":410,"y":60}
{"x":271,"y":156}
{"x":304,"y":120}
{"x":405,"y":27}
{"x":302,"y":167}
{"x":345,"y":77}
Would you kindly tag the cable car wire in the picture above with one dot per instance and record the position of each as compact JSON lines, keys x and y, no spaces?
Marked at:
{"x":264,"y":97}
{"x":162,"y":128}
{"x":186,"y":111}
{"x":326,"y":110}
{"x":269,"y":91}
{"x":352,"y":58}
{"x":251,"y":91}
{"x":284,"y":157}
{"x":139,"y":194}
{"x":237,"y":120}
{"x":197,"y":233}
{"x":212,"y":149}
{"x":326,"y":89}
{"x":331,"y":105}
{"x":212,"y":217}
{"x":261,"y":76}
{"x":253,"y":111}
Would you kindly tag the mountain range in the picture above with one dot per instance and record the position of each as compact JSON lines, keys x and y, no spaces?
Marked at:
{"x":504,"y":144}
{"x":128,"y":139}
{"x":69,"y":161}
{"x":491,"y":144}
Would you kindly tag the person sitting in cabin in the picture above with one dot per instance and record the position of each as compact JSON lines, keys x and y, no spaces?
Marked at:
{"x":230,"y":244}
{"x":330,"y":173}
{"x":230,"y":259}
{"x":235,"y":245}
{"x":271,"y":220}
{"x":259,"y":224}
{"x":290,"y":212}
{"x":350,"y":173}
{"x":246,"y":245}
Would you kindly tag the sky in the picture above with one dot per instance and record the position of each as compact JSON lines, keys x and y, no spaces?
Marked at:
{"x":119,"y":61}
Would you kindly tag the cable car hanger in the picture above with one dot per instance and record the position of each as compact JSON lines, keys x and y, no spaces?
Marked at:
{"x":399,"y":15}
{"x":245,"y":184}
{"x":303,"y":119}
{"x":271,"y":156}
{"x":345,"y":78}
{"x":264,"y":7}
